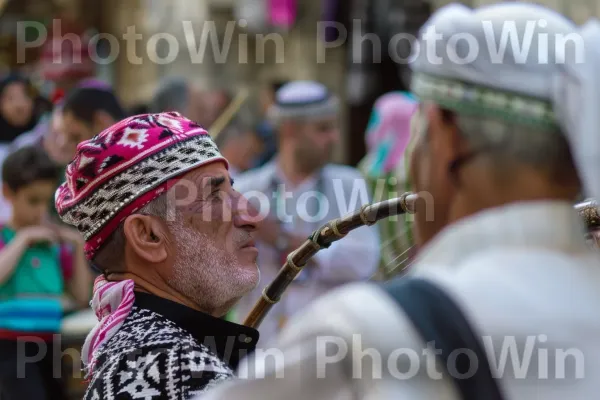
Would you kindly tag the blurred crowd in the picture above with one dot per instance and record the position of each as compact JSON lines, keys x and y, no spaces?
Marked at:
{"x":39,"y":135}
{"x":288,"y":141}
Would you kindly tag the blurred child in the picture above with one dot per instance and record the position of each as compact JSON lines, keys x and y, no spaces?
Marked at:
{"x":37,"y":262}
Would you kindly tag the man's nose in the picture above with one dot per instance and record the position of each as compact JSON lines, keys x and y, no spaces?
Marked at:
{"x":244,"y":214}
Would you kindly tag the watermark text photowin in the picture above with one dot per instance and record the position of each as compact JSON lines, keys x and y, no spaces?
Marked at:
{"x":205,"y":41}
{"x":509,"y":357}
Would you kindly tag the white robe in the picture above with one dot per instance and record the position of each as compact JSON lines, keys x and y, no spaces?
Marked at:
{"x":522,"y":271}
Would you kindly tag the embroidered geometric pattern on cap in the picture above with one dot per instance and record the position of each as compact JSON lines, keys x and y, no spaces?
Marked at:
{"x":125,"y":167}
{"x":480,"y":101}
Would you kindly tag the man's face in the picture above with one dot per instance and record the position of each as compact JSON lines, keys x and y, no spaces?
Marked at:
{"x":429,"y":174}
{"x":30,"y":203}
{"x":55,"y":142}
{"x":213,"y":233}
{"x":75,"y":130}
{"x":315,"y":142}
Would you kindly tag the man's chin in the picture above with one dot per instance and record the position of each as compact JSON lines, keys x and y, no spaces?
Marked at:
{"x":251,"y":276}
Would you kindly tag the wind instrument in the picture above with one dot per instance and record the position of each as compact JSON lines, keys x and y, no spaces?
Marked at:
{"x":336,"y":229}
{"x":320,"y":239}
{"x":228,"y":114}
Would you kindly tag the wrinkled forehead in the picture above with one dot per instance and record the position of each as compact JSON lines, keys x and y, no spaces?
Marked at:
{"x":197,"y":183}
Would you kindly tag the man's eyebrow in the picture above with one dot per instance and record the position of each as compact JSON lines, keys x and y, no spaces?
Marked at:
{"x":214,"y":181}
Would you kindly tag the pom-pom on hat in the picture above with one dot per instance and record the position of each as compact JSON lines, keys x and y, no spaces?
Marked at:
{"x":125,"y":167}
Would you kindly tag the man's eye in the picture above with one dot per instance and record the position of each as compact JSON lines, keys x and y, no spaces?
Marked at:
{"x":216,"y":195}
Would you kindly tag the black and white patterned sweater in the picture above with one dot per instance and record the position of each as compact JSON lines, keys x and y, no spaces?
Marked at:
{"x":165,"y":350}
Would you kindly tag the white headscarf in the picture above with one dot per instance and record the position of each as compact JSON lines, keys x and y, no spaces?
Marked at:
{"x":566,"y":79}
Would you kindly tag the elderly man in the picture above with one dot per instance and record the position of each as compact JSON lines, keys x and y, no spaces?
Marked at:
{"x":304,"y":191}
{"x":153,"y":199}
{"x":504,"y":286}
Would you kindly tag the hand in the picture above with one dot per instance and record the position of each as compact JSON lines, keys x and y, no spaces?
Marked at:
{"x":37,"y":234}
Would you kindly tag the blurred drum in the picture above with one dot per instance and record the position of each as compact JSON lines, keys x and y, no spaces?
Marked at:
{"x":74,"y":330}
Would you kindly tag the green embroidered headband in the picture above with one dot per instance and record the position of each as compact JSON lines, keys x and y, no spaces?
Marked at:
{"x":470,"y":99}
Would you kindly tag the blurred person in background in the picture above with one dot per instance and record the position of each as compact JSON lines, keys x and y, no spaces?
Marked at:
{"x":86,"y":112}
{"x":386,"y":169}
{"x":265,"y":129}
{"x":47,"y":132}
{"x":179,"y":95}
{"x":140,"y":108}
{"x":47,"y":135}
{"x":215,"y":102}
{"x":17,"y":116}
{"x":38,"y":262}
{"x":17,"y":103}
{"x":268,"y":137}
{"x":306,"y":116}
{"x":240,"y":145}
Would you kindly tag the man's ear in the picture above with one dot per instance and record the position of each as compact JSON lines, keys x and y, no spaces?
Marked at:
{"x":102,"y":120}
{"x":147,"y":237}
{"x":444,"y":137}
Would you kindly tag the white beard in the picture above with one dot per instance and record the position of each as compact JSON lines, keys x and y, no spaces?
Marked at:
{"x":206,"y":274}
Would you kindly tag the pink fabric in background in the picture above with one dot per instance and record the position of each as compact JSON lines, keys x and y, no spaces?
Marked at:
{"x":390,"y":126}
{"x":282,"y":13}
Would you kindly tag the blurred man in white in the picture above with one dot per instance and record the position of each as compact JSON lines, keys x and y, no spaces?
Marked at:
{"x":505,"y":148}
{"x":304,"y":190}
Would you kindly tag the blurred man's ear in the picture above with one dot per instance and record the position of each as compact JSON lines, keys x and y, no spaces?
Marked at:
{"x":443,"y":132}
